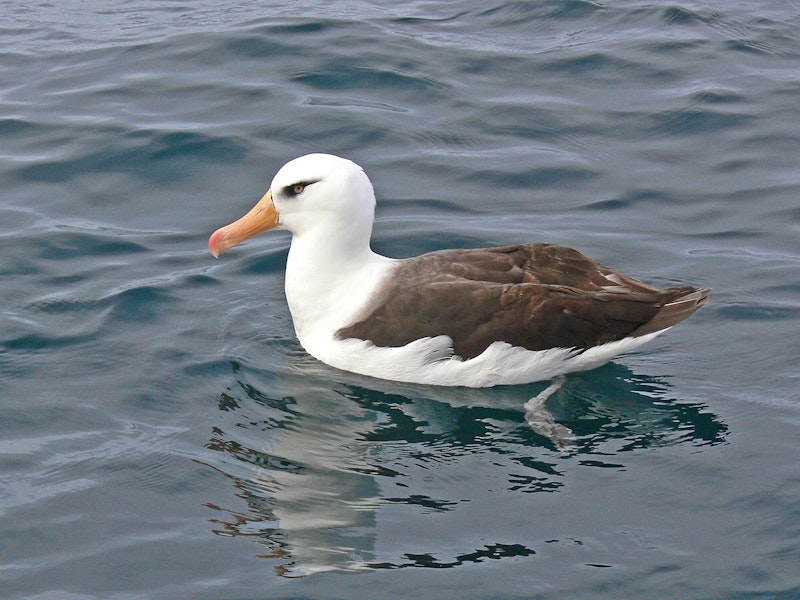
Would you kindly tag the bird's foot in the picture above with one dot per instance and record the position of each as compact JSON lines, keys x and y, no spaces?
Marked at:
{"x":542,"y":421}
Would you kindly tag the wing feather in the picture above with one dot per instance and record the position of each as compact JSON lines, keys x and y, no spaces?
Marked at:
{"x":536,"y":296}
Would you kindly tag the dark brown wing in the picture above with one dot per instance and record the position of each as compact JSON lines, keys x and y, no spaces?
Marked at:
{"x":536,"y":296}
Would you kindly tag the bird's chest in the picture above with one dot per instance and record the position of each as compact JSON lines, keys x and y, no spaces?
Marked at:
{"x":324,"y":301}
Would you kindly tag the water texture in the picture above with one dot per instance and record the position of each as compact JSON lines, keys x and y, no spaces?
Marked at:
{"x":163,"y":434}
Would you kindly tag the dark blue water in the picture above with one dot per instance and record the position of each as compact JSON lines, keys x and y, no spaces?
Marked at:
{"x":162,"y":433}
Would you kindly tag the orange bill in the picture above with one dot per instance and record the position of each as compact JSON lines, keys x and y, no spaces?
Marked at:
{"x":261,"y":218}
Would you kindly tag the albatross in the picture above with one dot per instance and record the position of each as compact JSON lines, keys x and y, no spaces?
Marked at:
{"x":462,"y":317}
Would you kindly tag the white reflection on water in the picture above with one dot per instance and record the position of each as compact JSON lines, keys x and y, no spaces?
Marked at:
{"x":338,"y":476}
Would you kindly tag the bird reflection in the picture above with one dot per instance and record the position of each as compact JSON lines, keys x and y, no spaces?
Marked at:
{"x":330,"y":465}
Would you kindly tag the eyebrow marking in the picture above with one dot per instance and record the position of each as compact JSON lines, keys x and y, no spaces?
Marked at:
{"x":289,"y":189}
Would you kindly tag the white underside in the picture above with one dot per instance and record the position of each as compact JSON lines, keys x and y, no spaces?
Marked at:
{"x":431,"y":361}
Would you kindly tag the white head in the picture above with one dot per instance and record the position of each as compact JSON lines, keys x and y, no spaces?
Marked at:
{"x":318,"y":194}
{"x":318,"y":189}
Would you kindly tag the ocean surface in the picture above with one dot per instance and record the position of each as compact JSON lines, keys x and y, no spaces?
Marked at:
{"x":164,"y":435}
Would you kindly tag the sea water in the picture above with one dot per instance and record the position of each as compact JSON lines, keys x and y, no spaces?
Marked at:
{"x":163,"y":434}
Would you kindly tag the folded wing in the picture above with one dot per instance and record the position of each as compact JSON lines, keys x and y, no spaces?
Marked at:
{"x":536,"y":296}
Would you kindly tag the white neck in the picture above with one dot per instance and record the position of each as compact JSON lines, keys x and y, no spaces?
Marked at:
{"x":329,"y":276}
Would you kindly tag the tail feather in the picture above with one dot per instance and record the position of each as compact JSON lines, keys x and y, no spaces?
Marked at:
{"x":683,"y":305}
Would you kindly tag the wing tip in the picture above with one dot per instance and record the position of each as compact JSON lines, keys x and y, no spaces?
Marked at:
{"x":683,"y":305}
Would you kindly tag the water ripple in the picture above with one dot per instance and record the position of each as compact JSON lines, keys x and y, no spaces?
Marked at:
{"x":158,"y":408}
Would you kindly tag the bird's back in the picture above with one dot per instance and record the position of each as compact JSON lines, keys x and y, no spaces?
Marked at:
{"x":534,"y":296}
